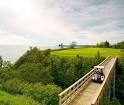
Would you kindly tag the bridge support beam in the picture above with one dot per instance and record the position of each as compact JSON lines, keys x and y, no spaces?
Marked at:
{"x":109,"y":93}
{"x":114,"y":78}
{"x":111,"y":87}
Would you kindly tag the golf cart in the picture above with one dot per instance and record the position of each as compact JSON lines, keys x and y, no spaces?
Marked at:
{"x":98,"y":75}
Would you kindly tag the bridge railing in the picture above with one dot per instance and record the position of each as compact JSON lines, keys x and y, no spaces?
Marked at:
{"x":70,"y":93}
{"x":100,"y":94}
{"x":105,"y":61}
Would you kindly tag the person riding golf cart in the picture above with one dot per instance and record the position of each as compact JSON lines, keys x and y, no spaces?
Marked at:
{"x":98,"y":75}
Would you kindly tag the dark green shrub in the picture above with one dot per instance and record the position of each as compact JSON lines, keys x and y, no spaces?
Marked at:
{"x":34,"y":73}
{"x":66,"y":71}
{"x":120,"y":79}
{"x":45,"y":94}
{"x":112,"y":102}
{"x":15,"y":86}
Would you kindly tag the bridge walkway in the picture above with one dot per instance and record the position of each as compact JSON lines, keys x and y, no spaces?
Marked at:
{"x":87,"y":95}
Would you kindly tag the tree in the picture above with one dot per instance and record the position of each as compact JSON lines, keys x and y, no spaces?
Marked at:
{"x":61,"y":45}
{"x":34,"y":73}
{"x":120,"y":79}
{"x":1,"y":62}
{"x":35,"y":56}
{"x":120,"y":45}
{"x":103,"y":44}
{"x":5,"y":65}
{"x":73,"y":45}
{"x":112,"y":102}
{"x":98,"y":55}
{"x":106,"y":44}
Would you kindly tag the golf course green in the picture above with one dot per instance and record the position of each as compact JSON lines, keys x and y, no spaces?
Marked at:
{"x":88,"y":52}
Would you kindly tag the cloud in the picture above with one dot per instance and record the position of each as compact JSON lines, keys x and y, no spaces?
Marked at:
{"x":49,"y":22}
{"x":12,"y":39}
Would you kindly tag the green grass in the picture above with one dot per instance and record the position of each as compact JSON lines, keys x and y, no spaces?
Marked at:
{"x":88,"y":52}
{"x":7,"y":99}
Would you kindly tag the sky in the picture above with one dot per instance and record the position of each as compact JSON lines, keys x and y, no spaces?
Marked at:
{"x":50,"y":22}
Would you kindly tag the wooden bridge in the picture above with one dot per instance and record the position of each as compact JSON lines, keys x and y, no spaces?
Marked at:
{"x":86,"y":92}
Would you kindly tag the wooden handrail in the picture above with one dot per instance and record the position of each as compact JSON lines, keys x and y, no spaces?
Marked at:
{"x":71,"y":92}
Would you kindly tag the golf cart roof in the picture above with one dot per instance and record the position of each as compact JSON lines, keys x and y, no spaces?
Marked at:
{"x":101,"y":67}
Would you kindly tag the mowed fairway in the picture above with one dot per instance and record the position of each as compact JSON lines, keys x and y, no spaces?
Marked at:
{"x":88,"y":52}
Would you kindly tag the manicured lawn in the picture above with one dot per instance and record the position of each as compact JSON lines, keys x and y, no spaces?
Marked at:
{"x":88,"y":52}
{"x":7,"y":99}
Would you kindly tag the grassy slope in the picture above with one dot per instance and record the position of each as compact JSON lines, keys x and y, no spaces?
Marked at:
{"x":88,"y":52}
{"x":7,"y":99}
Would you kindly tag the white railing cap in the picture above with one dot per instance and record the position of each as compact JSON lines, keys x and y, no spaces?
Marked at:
{"x":101,"y":67}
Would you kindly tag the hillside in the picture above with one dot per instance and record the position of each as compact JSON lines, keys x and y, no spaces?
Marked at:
{"x":7,"y":99}
{"x":88,"y":52}
{"x":41,"y":76}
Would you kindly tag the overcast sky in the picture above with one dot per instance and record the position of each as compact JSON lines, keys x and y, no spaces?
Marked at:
{"x":50,"y":22}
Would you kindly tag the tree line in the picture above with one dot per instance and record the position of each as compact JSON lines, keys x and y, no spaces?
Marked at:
{"x":104,"y":44}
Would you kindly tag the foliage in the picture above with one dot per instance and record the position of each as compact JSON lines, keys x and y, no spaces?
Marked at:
{"x":5,"y":65}
{"x":6,"y":71}
{"x":7,"y":99}
{"x":66,"y":71}
{"x":61,"y":45}
{"x":119,"y":45}
{"x":34,"y":55}
{"x":8,"y":75}
{"x":103,"y":44}
{"x":120,"y":79}
{"x":33,"y":66}
{"x":1,"y":62}
{"x":72,"y":45}
{"x":63,"y":71}
{"x":34,"y":73}
{"x":113,"y":102}
{"x":45,"y":94}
